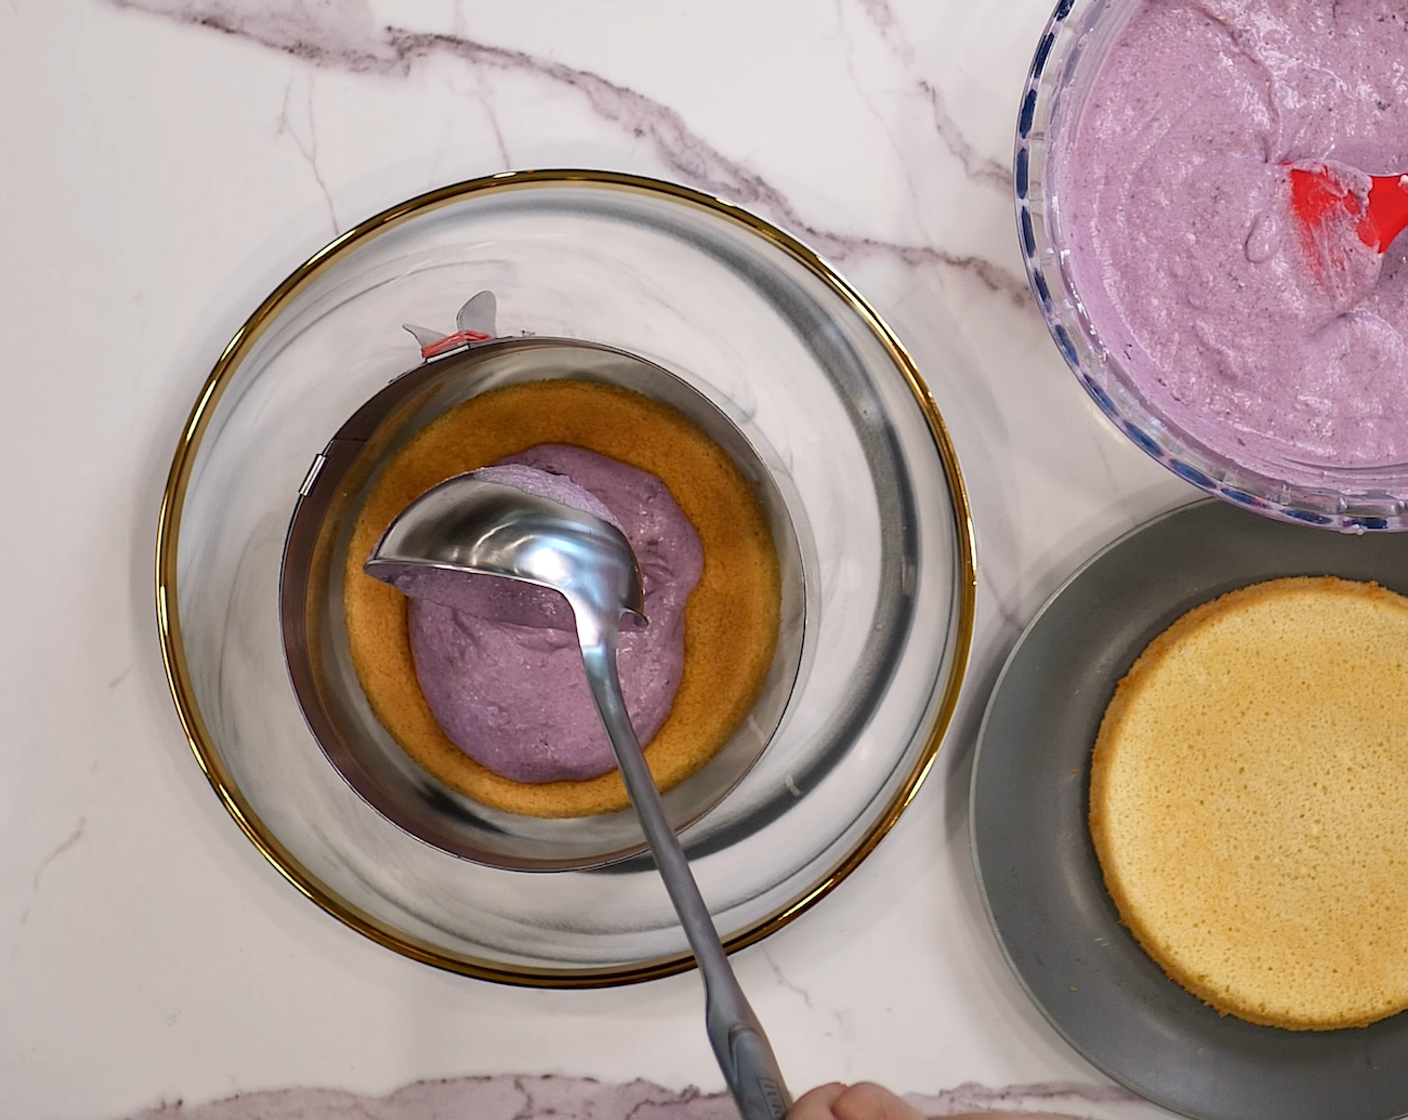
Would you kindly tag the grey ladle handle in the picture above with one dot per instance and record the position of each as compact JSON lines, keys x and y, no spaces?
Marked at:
{"x":739,"y":1043}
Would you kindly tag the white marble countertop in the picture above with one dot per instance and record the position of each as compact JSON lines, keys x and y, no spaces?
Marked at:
{"x":168,"y":162}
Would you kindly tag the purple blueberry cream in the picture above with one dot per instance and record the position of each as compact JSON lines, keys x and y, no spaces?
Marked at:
{"x":514,"y":696}
{"x":1285,"y":353}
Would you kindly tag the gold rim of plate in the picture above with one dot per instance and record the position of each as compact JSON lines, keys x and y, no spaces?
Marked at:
{"x":173,"y":653}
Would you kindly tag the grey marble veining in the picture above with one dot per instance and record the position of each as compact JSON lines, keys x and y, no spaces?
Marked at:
{"x":565,"y":1098}
{"x":345,"y":35}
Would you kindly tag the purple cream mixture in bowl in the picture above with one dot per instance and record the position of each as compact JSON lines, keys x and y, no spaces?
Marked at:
{"x":483,"y":671}
{"x":1152,"y":160}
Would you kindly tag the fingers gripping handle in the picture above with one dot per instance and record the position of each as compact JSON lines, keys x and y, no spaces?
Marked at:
{"x":754,"y":1079}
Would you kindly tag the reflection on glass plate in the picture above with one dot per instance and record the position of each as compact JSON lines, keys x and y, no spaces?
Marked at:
{"x":1037,"y":866}
{"x":763,"y":328}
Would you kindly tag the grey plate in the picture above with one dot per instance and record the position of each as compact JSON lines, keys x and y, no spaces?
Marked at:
{"x":1038,"y":870}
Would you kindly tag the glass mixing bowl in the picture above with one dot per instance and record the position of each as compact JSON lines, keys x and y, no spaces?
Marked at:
{"x":1068,"y":57}
{"x":780,"y":345}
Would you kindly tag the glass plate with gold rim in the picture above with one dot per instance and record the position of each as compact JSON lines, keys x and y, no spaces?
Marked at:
{"x":767,"y":331}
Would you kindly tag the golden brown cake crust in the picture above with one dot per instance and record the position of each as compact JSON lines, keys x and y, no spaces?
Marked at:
{"x":731,"y":619}
{"x":1247,"y":802}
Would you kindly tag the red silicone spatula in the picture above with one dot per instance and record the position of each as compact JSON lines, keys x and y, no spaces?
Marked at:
{"x":1319,"y":196}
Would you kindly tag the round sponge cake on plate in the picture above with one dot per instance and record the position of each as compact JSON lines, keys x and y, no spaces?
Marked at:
{"x":1247,"y":802}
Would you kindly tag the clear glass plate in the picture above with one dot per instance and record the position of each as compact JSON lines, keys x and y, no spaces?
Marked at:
{"x":787,"y":350}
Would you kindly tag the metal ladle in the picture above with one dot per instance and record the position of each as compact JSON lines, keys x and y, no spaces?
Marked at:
{"x":477,"y":527}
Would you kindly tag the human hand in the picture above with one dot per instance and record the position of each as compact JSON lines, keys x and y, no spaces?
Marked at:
{"x":867,"y":1101}
{"x":862,"y":1101}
